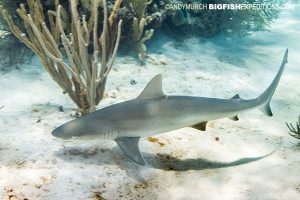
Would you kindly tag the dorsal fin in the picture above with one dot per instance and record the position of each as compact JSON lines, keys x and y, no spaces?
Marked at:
{"x":153,"y":89}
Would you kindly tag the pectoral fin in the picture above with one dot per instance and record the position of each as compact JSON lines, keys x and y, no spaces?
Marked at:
{"x":201,"y":126}
{"x":130,"y":146}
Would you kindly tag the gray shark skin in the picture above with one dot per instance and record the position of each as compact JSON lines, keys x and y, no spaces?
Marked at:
{"x":153,"y":112}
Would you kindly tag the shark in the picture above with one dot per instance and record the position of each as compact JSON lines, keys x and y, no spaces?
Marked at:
{"x":153,"y":112}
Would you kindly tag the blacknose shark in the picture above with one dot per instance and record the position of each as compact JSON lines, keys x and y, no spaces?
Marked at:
{"x":153,"y":112}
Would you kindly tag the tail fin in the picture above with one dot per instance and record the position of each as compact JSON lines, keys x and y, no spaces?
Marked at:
{"x":265,"y":98}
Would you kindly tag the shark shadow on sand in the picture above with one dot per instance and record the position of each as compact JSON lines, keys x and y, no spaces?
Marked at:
{"x":170,"y":163}
{"x":114,"y":156}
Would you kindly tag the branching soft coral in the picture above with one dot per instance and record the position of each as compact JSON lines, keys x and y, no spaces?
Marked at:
{"x":294,"y":131}
{"x":90,"y":49}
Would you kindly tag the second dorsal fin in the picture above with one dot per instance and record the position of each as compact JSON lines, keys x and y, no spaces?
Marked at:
{"x":237,"y":96}
{"x":153,"y":89}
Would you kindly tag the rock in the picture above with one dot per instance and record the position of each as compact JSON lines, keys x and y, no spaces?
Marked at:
{"x":12,"y":52}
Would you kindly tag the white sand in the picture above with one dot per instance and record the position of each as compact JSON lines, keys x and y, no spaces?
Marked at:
{"x":253,"y":158}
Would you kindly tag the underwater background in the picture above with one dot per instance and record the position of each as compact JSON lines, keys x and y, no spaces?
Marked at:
{"x":253,"y":158}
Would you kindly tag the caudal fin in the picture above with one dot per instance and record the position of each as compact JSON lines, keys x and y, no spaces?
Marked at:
{"x":266,"y":97}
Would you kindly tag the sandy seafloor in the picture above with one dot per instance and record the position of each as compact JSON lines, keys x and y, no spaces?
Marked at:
{"x":253,"y":158}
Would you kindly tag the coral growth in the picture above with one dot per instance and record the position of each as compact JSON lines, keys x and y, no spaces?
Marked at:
{"x":208,"y":23}
{"x":294,"y":131}
{"x":142,"y":17}
{"x":139,"y":34}
{"x":84,"y":75}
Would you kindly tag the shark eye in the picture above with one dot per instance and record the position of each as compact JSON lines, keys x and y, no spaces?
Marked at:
{"x":74,"y":137}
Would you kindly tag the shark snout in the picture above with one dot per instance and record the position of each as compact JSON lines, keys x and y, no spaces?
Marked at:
{"x":66,"y":132}
{"x":56,"y":133}
{"x":59,"y":133}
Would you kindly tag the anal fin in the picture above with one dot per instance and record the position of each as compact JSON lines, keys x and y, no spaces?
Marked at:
{"x":234,"y":118}
{"x":201,"y":126}
{"x":130,"y":146}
